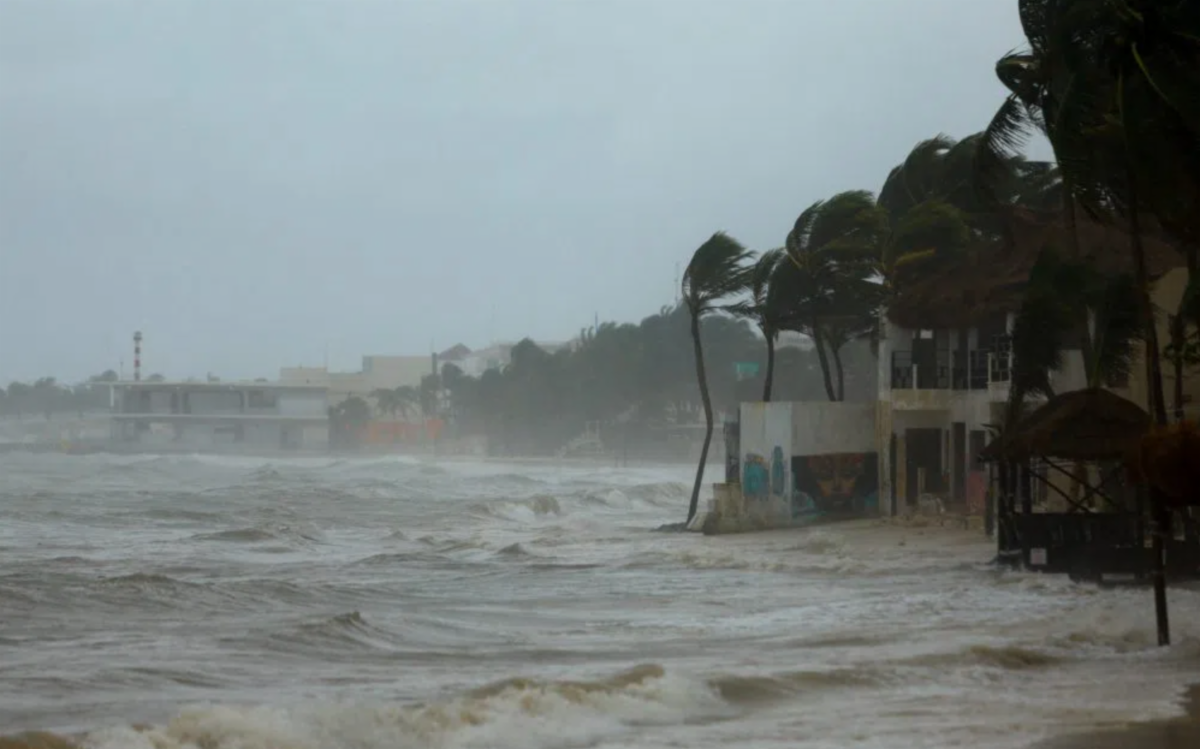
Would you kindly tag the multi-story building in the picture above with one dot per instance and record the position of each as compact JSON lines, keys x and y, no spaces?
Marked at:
{"x":941,"y":386}
{"x":227,"y":416}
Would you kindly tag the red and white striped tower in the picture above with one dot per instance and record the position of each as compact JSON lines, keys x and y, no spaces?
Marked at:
{"x":137,"y":356}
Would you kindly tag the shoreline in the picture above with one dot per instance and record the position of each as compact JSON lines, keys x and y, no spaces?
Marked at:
{"x":1180,"y":732}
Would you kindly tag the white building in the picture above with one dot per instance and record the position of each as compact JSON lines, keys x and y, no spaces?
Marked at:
{"x":941,"y":388}
{"x":220,"y":415}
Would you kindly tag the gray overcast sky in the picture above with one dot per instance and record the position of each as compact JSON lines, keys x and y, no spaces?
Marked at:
{"x":252,"y":181}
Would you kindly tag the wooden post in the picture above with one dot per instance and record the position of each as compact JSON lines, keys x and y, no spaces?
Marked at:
{"x":1162,"y":529}
{"x":1025,"y":488}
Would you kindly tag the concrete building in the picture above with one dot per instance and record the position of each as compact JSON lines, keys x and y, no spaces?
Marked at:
{"x":377,"y":373}
{"x":945,"y":362}
{"x":225,"y":416}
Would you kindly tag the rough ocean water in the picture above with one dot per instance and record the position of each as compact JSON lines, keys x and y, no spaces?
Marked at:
{"x":239,"y":603}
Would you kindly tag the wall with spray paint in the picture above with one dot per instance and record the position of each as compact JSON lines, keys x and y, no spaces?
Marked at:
{"x":800,"y":461}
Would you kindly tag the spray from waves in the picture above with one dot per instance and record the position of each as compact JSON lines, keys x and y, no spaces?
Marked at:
{"x":512,"y":713}
{"x":649,"y":496}
{"x":533,"y":508}
{"x":515,"y":712}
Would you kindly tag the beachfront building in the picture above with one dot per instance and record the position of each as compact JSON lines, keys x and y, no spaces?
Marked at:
{"x":945,"y":360}
{"x":250,"y":416}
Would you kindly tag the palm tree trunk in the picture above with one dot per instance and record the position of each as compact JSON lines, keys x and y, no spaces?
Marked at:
{"x":702,"y":380}
{"x":1178,"y":341}
{"x":770,"y":378}
{"x":1156,"y":406}
{"x":823,"y":358}
{"x":836,"y":353}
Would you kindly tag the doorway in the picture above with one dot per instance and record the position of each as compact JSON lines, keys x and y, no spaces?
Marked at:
{"x":923,"y":462}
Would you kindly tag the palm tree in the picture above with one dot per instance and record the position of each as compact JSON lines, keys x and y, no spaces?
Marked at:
{"x":386,"y":401}
{"x":766,"y":307}
{"x":834,"y":248}
{"x":1114,"y":84}
{"x":716,"y":272}
{"x":408,"y":399}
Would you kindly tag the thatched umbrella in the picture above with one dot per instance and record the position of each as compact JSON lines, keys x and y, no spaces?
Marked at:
{"x":1081,"y":425}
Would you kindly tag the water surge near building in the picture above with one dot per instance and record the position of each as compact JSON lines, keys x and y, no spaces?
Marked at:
{"x":203,"y":601}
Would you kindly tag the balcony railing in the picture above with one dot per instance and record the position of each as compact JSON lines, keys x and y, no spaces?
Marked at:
{"x":957,"y":370}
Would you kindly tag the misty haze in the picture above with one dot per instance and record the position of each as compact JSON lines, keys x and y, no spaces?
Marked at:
{"x":599,"y":373}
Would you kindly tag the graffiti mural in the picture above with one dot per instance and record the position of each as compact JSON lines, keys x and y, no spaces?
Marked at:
{"x":842,"y":483}
{"x":756,"y":479}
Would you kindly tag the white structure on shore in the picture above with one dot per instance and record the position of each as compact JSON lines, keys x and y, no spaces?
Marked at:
{"x":251,"y":416}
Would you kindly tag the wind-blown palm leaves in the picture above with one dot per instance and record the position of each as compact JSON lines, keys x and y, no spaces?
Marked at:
{"x":1115,"y":86}
{"x":766,"y":306}
{"x":718,"y":270}
{"x":398,"y":401}
{"x":832,"y":280}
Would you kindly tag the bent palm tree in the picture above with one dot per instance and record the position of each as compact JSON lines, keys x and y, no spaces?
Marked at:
{"x":765,"y":307}
{"x":717,"y":271}
{"x":834,"y":248}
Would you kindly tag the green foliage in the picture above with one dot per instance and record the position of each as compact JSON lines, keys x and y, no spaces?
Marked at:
{"x":347,"y":420}
{"x":719,"y":269}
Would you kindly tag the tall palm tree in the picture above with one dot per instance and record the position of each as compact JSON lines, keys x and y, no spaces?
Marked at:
{"x":1115,"y":85}
{"x":834,"y":249}
{"x":718,"y":270}
{"x":765,"y":307}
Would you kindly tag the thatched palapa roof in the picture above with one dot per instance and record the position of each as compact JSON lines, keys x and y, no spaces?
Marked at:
{"x":992,"y":279}
{"x":1090,"y":424}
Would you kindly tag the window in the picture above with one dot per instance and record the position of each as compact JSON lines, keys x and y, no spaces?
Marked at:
{"x":260,"y":399}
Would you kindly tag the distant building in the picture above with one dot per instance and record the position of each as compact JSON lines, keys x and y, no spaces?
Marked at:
{"x":220,"y":415}
{"x":377,"y":373}
{"x":496,"y":356}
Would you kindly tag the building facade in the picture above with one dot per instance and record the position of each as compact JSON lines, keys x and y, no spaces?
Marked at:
{"x":221,"y":416}
{"x":941,"y":390}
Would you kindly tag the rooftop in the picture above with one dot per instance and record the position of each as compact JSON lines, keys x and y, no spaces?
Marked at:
{"x":216,"y":386}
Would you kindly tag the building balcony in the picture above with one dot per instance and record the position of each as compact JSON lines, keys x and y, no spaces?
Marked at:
{"x":972,"y":370}
{"x":965,"y":371}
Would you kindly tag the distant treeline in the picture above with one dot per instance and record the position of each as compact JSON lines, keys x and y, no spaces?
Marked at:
{"x":629,"y":379}
{"x":47,"y":396}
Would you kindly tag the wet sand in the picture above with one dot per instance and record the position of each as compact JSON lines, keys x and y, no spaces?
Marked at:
{"x":1177,"y":733}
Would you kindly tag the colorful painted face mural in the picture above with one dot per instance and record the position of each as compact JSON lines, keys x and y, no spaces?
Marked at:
{"x":842,"y":482}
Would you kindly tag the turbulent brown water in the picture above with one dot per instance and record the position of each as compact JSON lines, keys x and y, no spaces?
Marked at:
{"x":223,"y":603}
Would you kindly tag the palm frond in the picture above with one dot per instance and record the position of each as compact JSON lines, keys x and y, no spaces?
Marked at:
{"x":718,"y":270}
{"x":996,"y":148}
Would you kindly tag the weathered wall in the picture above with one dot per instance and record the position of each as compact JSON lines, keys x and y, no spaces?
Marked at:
{"x":766,"y":447}
{"x":830,"y":428}
{"x":302,"y":403}
{"x":799,"y":461}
